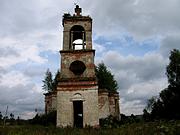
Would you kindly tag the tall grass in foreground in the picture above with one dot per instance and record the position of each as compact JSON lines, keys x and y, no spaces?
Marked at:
{"x":148,"y":128}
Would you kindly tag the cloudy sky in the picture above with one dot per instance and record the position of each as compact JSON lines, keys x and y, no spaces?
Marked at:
{"x":132,"y":37}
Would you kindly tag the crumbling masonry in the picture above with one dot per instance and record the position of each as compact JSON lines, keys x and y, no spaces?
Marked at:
{"x":78,"y":100}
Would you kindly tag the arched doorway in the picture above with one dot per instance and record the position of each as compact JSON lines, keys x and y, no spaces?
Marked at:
{"x":77,"y":100}
{"x":78,"y":113}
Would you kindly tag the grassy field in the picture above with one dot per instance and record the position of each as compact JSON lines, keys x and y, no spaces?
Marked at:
{"x":148,"y":128}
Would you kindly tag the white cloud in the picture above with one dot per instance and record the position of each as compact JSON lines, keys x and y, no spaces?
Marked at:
{"x":141,"y":18}
{"x":21,"y":99}
{"x":99,"y":48}
{"x":145,"y":90}
{"x":24,"y":54}
{"x":169,"y":43}
{"x":131,"y":107}
{"x":13,"y":78}
{"x":146,"y":67}
{"x":27,"y":114}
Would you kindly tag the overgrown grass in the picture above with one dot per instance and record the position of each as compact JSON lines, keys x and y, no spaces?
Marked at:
{"x":147,"y":128}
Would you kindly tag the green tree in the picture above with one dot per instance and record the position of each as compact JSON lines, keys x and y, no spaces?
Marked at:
{"x":170,"y":96}
{"x":48,"y":82}
{"x":173,"y":69}
{"x":105,"y":78}
{"x":167,"y":105}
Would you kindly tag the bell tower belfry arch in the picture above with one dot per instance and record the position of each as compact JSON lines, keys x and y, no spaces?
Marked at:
{"x":77,"y":91}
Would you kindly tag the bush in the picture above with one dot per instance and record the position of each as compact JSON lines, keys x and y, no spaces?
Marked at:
{"x":45,"y":120}
{"x":109,"y":122}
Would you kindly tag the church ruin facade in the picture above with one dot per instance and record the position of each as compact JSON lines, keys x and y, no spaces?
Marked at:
{"x":77,"y":100}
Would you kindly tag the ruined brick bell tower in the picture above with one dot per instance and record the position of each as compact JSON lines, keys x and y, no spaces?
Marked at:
{"x":77,"y":91}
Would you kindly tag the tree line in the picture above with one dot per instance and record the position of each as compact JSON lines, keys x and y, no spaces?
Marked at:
{"x":10,"y":120}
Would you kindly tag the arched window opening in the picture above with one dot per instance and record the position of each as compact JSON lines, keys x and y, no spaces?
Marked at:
{"x":77,"y":38}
